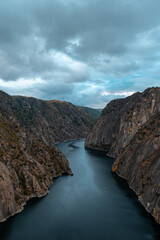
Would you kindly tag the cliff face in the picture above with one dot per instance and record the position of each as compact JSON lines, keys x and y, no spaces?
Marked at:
{"x":139,"y":164}
{"x":28,"y":158}
{"x":55,"y":121}
{"x":121,"y":119}
{"x":129,"y":129}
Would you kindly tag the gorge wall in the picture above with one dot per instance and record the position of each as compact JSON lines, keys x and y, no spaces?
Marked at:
{"x":139,"y":164}
{"x":128,"y":130}
{"x":121,"y":119}
{"x":29,"y":160}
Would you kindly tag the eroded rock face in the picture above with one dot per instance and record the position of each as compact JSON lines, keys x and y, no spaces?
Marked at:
{"x":139,"y":164}
{"x":129,"y":129}
{"x":28,"y":158}
{"x":55,"y":121}
{"x":121,"y":119}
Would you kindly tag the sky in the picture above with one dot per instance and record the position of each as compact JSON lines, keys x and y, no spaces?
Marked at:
{"x":87,"y":52}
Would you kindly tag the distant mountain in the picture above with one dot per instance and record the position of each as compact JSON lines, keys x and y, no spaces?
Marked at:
{"x":29,"y":160}
{"x":94,"y":113}
{"x":129,"y":130}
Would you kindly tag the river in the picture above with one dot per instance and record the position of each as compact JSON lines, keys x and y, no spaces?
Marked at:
{"x":94,"y":204}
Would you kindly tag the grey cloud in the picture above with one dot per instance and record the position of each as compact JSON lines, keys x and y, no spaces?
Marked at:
{"x":112,"y":44}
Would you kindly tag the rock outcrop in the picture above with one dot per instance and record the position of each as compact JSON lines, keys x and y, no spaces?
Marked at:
{"x":129,"y":129}
{"x":139,"y":164}
{"x":121,"y":119}
{"x":28,"y":158}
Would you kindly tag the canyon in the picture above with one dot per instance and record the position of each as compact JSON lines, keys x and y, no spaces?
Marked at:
{"x":128,"y":130}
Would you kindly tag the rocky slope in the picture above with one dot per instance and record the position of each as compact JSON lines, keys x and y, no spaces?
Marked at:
{"x":94,"y":113}
{"x":121,"y":119}
{"x":139,"y":164}
{"x":54,"y":120}
{"x":129,"y":129}
{"x":28,"y":158}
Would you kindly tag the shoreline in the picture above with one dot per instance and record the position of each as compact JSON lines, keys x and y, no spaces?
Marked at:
{"x":21,"y":208}
{"x":139,"y":199}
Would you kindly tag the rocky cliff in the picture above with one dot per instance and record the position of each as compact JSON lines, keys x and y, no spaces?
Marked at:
{"x":28,"y":158}
{"x":139,"y":164}
{"x":129,"y":129}
{"x":54,"y":120}
{"x":121,"y":119}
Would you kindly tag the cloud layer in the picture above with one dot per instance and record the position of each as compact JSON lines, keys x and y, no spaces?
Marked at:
{"x":87,"y":52}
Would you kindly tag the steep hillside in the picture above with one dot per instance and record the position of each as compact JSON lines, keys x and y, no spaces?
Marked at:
{"x":94,"y":113}
{"x":28,"y":158}
{"x":121,"y":119}
{"x":129,"y":129}
{"x":55,"y":120}
{"x":139,"y":164}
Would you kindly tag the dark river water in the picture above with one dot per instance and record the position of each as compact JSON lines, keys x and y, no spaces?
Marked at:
{"x":94,"y":204}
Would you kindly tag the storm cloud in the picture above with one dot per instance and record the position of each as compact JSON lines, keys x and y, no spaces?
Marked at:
{"x":87,"y":52}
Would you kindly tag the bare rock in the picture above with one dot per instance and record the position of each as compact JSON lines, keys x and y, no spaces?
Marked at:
{"x":121,"y":119}
{"x":29,"y":161}
{"x":139,"y":164}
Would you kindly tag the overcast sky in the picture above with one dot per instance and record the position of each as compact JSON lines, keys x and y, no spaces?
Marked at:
{"x":87,"y":52}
